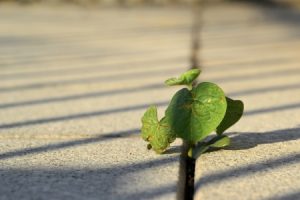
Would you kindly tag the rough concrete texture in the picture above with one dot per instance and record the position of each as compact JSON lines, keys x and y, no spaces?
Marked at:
{"x":75,"y":82}
{"x":253,"y":53}
{"x":74,"y":85}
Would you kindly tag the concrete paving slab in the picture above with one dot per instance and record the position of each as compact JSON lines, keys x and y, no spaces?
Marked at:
{"x":74,"y":85}
{"x":111,"y":167}
{"x":253,"y":50}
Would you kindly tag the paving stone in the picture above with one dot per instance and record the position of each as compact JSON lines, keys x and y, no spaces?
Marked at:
{"x":74,"y":85}
{"x":251,"y":53}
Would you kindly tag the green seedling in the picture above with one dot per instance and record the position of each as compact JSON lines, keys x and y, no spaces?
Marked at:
{"x":192,"y":114}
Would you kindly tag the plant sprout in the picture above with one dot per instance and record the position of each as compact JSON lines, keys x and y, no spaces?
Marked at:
{"x":193,"y":113}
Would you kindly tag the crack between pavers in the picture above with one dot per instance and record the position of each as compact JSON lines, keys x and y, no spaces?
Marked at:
{"x":187,"y":164}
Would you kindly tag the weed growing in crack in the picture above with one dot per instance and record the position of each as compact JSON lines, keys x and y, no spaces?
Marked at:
{"x":193,"y":113}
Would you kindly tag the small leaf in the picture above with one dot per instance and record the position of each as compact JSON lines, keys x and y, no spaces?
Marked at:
{"x":198,"y":150}
{"x":220,"y":142}
{"x":202,"y":147}
{"x":195,"y":114}
{"x":186,"y":78}
{"x":157,"y":133}
{"x":234,"y":112}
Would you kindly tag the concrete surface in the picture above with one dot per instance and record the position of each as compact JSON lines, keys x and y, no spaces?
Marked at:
{"x":253,"y":53}
{"x":74,"y":83}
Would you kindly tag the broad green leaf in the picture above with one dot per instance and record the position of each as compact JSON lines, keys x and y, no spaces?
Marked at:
{"x":195,"y":114}
{"x":234,"y":112}
{"x":157,"y":133}
{"x":179,"y":113}
{"x":186,"y":78}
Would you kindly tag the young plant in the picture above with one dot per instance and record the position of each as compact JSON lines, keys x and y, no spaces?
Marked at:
{"x":193,"y":113}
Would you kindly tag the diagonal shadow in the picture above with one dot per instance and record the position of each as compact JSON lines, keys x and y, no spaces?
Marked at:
{"x":99,"y":79}
{"x":287,"y":15}
{"x":272,"y":109}
{"x":132,"y":90}
{"x":279,"y":11}
{"x":81,"y":96}
{"x":250,"y":140}
{"x":259,"y":63}
{"x":93,"y":68}
{"x":94,"y":79}
{"x":78,"y":116}
{"x":247,"y":170}
{"x":246,"y":77}
{"x":289,"y":196}
{"x":84,"y":183}
{"x":249,"y":92}
{"x":125,"y":109}
{"x":92,"y":55}
{"x":63,"y":145}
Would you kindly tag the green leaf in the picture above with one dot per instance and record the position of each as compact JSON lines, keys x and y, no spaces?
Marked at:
{"x":219,"y":141}
{"x":234,"y":112}
{"x":157,"y":133}
{"x":179,"y":113}
{"x":198,"y":150}
{"x":186,"y":78}
{"x":195,"y":114}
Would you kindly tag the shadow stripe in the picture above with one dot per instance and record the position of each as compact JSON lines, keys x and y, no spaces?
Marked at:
{"x":79,"y":116}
